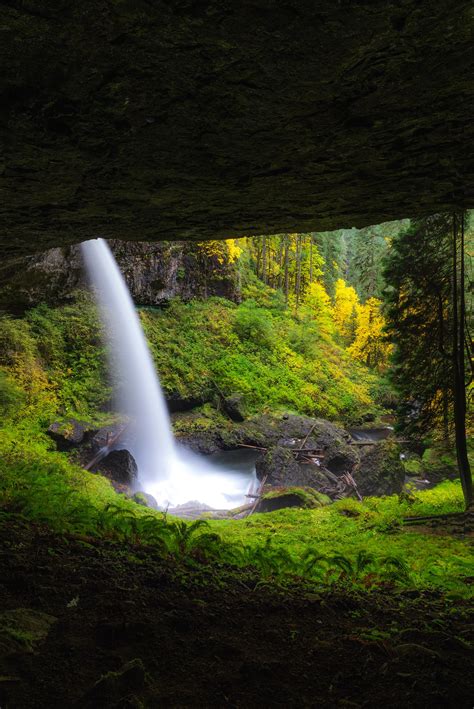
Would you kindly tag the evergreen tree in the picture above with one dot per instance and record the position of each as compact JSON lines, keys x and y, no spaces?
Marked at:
{"x":332,"y":245}
{"x":426,"y":311}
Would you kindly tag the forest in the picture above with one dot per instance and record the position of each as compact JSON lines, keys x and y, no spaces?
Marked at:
{"x":343,"y":361}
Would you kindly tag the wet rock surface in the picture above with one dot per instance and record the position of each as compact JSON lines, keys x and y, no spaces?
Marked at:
{"x":220,"y":119}
{"x":119,"y":466}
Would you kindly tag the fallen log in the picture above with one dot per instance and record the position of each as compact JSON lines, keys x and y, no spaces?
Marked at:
{"x":260,"y":491}
{"x":308,"y":435}
{"x":110,"y":441}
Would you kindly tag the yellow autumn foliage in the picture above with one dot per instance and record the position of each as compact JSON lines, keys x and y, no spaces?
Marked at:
{"x":346,"y":302}
{"x":370,"y":345}
{"x":224,"y":251}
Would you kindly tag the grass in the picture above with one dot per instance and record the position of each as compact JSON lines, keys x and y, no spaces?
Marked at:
{"x":349,"y":531}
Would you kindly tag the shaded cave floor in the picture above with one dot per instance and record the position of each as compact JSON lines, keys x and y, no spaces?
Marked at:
{"x":170,"y":634}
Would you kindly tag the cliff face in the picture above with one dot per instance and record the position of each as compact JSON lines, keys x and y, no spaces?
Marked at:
{"x":198,"y":119}
{"x":155,"y":273}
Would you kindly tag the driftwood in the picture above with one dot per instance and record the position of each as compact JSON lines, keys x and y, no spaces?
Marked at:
{"x":260,"y":491}
{"x":308,"y":435}
{"x":364,"y":443}
{"x":374,"y":443}
{"x":257,"y":448}
{"x":109,"y":442}
{"x":349,"y":480}
{"x":312,"y":452}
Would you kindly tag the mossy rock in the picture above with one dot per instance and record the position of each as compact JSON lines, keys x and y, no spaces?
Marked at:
{"x":381,"y":471}
{"x":22,"y":630}
{"x":413,"y":466}
{"x":146,"y":500}
{"x":439,"y":464}
{"x":281,"y":498}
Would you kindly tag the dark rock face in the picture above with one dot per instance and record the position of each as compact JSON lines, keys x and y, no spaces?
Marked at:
{"x":154,"y":273}
{"x":292,"y":431}
{"x":197,"y":120}
{"x":234,"y":407}
{"x":119,"y":466}
{"x":281,"y":468}
{"x":381,"y":472}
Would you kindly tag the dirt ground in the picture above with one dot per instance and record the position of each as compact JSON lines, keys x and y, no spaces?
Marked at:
{"x":97,"y":624}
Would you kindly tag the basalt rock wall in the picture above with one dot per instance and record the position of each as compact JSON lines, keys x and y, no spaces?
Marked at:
{"x":155,"y":273}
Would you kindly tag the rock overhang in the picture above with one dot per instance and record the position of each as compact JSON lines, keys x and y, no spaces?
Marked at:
{"x":210,"y":119}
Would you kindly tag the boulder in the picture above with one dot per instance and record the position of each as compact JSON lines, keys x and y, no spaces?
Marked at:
{"x":69,"y":433}
{"x":119,"y":466}
{"x":143,"y":498}
{"x":282,"y":498}
{"x":281,"y":469}
{"x":291,"y":431}
{"x":177,"y":403}
{"x":234,"y":407}
{"x":281,"y":436}
{"x":381,"y":472}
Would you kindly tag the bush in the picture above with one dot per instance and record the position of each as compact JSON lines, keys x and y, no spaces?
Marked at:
{"x":255,"y":326}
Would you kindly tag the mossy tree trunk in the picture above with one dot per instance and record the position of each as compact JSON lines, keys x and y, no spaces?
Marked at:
{"x":459,"y":388}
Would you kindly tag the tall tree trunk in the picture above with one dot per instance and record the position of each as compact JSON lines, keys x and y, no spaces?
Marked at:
{"x":298,"y":269}
{"x":258,"y":258}
{"x":287,"y":264}
{"x":264,"y":259}
{"x":445,"y":416}
{"x":311,"y":259}
{"x":459,"y":366}
{"x":280,"y":263}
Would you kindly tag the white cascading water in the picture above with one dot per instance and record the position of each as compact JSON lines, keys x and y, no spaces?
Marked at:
{"x":171,"y":474}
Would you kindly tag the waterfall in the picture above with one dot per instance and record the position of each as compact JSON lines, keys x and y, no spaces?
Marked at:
{"x":170,"y":473}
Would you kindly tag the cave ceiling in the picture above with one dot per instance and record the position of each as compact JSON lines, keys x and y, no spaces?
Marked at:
{"x":197,"y":119}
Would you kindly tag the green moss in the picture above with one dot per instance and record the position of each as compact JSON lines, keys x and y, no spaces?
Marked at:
{"x":22,"y":629}
{"x":258,"y":352}
{"x":413,"y":466}
{"x":309,"y":498}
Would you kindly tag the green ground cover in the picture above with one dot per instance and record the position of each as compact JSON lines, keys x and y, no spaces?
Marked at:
{"x":348,"y":543}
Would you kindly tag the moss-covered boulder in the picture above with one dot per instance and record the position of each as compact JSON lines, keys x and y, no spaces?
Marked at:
{"x":279,"y":467}
{"x":234,"y":407}
{"x":283,"y":497}
{"x":145,"y":499}
{"x":69,"y":433}
{"x":438,"y":464}
{"x":381,"y":472}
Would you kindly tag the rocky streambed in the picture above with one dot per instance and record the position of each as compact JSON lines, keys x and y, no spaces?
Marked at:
{"x":299,"y":461}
